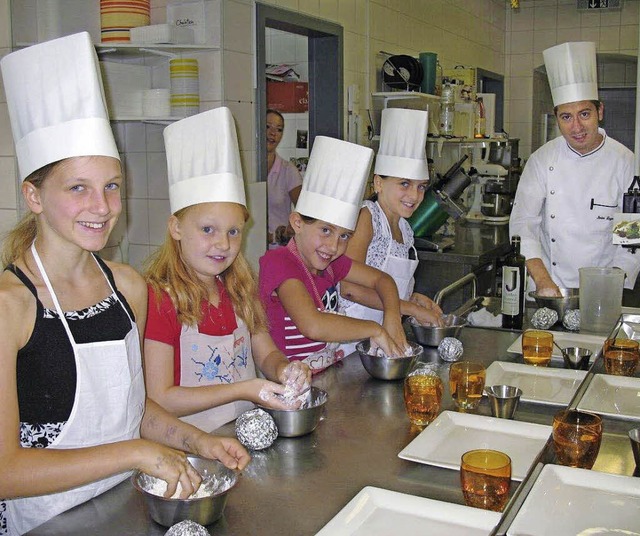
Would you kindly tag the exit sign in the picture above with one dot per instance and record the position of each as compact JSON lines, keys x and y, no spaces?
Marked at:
{"x":599,"y":4}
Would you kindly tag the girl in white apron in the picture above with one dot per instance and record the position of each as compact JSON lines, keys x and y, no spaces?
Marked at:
{"x":298,"y":283}
{"x":206,"y":330}
{"x":74,"y":420}
{"x":383,"y":238}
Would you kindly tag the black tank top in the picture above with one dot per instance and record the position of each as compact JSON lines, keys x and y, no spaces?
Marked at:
{"x":46,"y":369}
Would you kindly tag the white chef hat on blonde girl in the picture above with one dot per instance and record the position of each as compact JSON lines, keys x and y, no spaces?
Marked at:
{"x":56,"y":102}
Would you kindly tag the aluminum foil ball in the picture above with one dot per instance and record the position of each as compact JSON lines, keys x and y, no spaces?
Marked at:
{"x":571,"y":319}
{"x":256,"y":429}
{"x":450,"y":349}
{"x":544,"y":318}
{"x":187,"y":528}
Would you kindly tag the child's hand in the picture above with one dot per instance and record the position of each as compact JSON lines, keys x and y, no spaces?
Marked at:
{"x":296,"y":375}
{"x":274,"y":395}
{"x":426,"y":303}
{"x":389,"y":346}
{"x":428,"y":317}
{"x":393,"y":327}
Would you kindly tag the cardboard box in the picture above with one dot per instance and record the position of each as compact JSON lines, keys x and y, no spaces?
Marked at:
{"x":288,"y":97}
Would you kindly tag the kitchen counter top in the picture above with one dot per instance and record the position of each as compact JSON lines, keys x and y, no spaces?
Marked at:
{"x":474,"y":243}
{"x":297,"y":485}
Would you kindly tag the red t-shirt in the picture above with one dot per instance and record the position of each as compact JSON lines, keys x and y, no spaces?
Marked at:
{"x":163,"y":326}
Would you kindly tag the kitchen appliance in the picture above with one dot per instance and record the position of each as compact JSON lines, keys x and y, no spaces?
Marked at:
{"x":402,"y":72}
{"x":489,"y":198}
{"x":440,"y":203}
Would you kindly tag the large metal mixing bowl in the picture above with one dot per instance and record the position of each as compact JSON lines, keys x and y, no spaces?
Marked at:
{"x":388,"y":368}
{"x":433,"y":335}
{"x":299,"y":422}
{"x":203,"y":510}
{"x":570,"y":300}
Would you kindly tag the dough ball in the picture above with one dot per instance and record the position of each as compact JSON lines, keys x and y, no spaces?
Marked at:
{"x":256,"y":429}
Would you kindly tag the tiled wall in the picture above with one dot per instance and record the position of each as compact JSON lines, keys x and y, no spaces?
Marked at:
{"x":539,"y":24}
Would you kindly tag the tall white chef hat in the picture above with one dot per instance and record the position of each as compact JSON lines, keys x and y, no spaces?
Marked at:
{"x":403,"y":140}
{"x":56,"y":103}
{"x":334,"y":182}
{"x":572,"y":72}
{"x":203,"y":160}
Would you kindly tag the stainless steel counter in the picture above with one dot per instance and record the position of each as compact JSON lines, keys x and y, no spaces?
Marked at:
{"x":477,"y":248}
{"x":297,"y":485}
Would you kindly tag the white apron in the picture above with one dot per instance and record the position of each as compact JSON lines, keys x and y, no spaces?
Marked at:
{"x":108,"y":407}
{"x":400,"y":269}
{"x":216,"y":360}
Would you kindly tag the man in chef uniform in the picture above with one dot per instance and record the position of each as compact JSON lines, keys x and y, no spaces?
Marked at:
{"x":571,"y":187}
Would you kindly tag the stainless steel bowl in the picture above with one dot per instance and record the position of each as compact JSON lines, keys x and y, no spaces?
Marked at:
{"x":433,"y":335}
{"x":388,"y":368}
{"x":299,"y":422}
{"x":570,"y":300}
{"x":205,"y":510}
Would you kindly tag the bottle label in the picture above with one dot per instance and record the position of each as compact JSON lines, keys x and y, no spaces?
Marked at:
{"x":511,"y":290}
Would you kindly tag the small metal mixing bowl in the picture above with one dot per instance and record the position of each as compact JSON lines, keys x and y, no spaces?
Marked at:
{"x":204,"y":510}
{"x":299,"y":422}
{"x":388,"y":368}
{"x":570,"y":300}
{"x":433,"y":335}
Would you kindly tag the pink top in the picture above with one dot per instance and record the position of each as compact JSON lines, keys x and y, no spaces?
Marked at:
{"x":282,"y":178}
{"x":279,"y":265}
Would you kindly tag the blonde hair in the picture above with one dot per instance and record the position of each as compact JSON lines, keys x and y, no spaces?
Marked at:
{"x":166,"y":271}
{"x":18,"y":241}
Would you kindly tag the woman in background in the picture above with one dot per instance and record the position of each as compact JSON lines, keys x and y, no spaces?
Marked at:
{"x":283,"y":182}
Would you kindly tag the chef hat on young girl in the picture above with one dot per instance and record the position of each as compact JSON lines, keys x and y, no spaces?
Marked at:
{"x":56,"y":103}
{"x":334,"y":182}
{"x":572,"y":72}
{"x":403,"y":142}
{"x":203,"y":160}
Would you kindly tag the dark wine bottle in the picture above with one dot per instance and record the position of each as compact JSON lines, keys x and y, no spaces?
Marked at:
{"x":513,"y":285}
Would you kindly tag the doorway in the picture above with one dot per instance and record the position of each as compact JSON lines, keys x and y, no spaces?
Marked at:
{"x":325,"y":76}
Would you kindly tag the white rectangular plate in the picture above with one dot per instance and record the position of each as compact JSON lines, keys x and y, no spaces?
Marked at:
{"x":566,"y":500}
{"x":541,"y":385}
{"x":614,"y":396}
{"x":451,"y":434}
{"x":379,"y":512}
{"x":565,"y":340}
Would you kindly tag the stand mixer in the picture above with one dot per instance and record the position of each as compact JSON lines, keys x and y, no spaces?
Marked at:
{"x":488,"y":196}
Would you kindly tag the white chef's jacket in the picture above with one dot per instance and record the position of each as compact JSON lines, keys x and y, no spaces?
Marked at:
{"x":564,"y":206}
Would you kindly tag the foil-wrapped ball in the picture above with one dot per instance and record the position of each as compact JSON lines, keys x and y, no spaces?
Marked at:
{"x":571,"y":319}
{"x":450,"y":349}
{"x":544,"y":318}
{"x":187,"y":528}
{"x":256,"y":429}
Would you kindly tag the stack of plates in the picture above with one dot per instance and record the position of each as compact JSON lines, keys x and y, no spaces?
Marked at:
{"x":185,"y":91}
{"x":117,"y":17}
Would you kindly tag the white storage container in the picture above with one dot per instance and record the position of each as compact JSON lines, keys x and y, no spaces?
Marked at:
{"x":123,"y":85}
{"x":161,"y":34}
